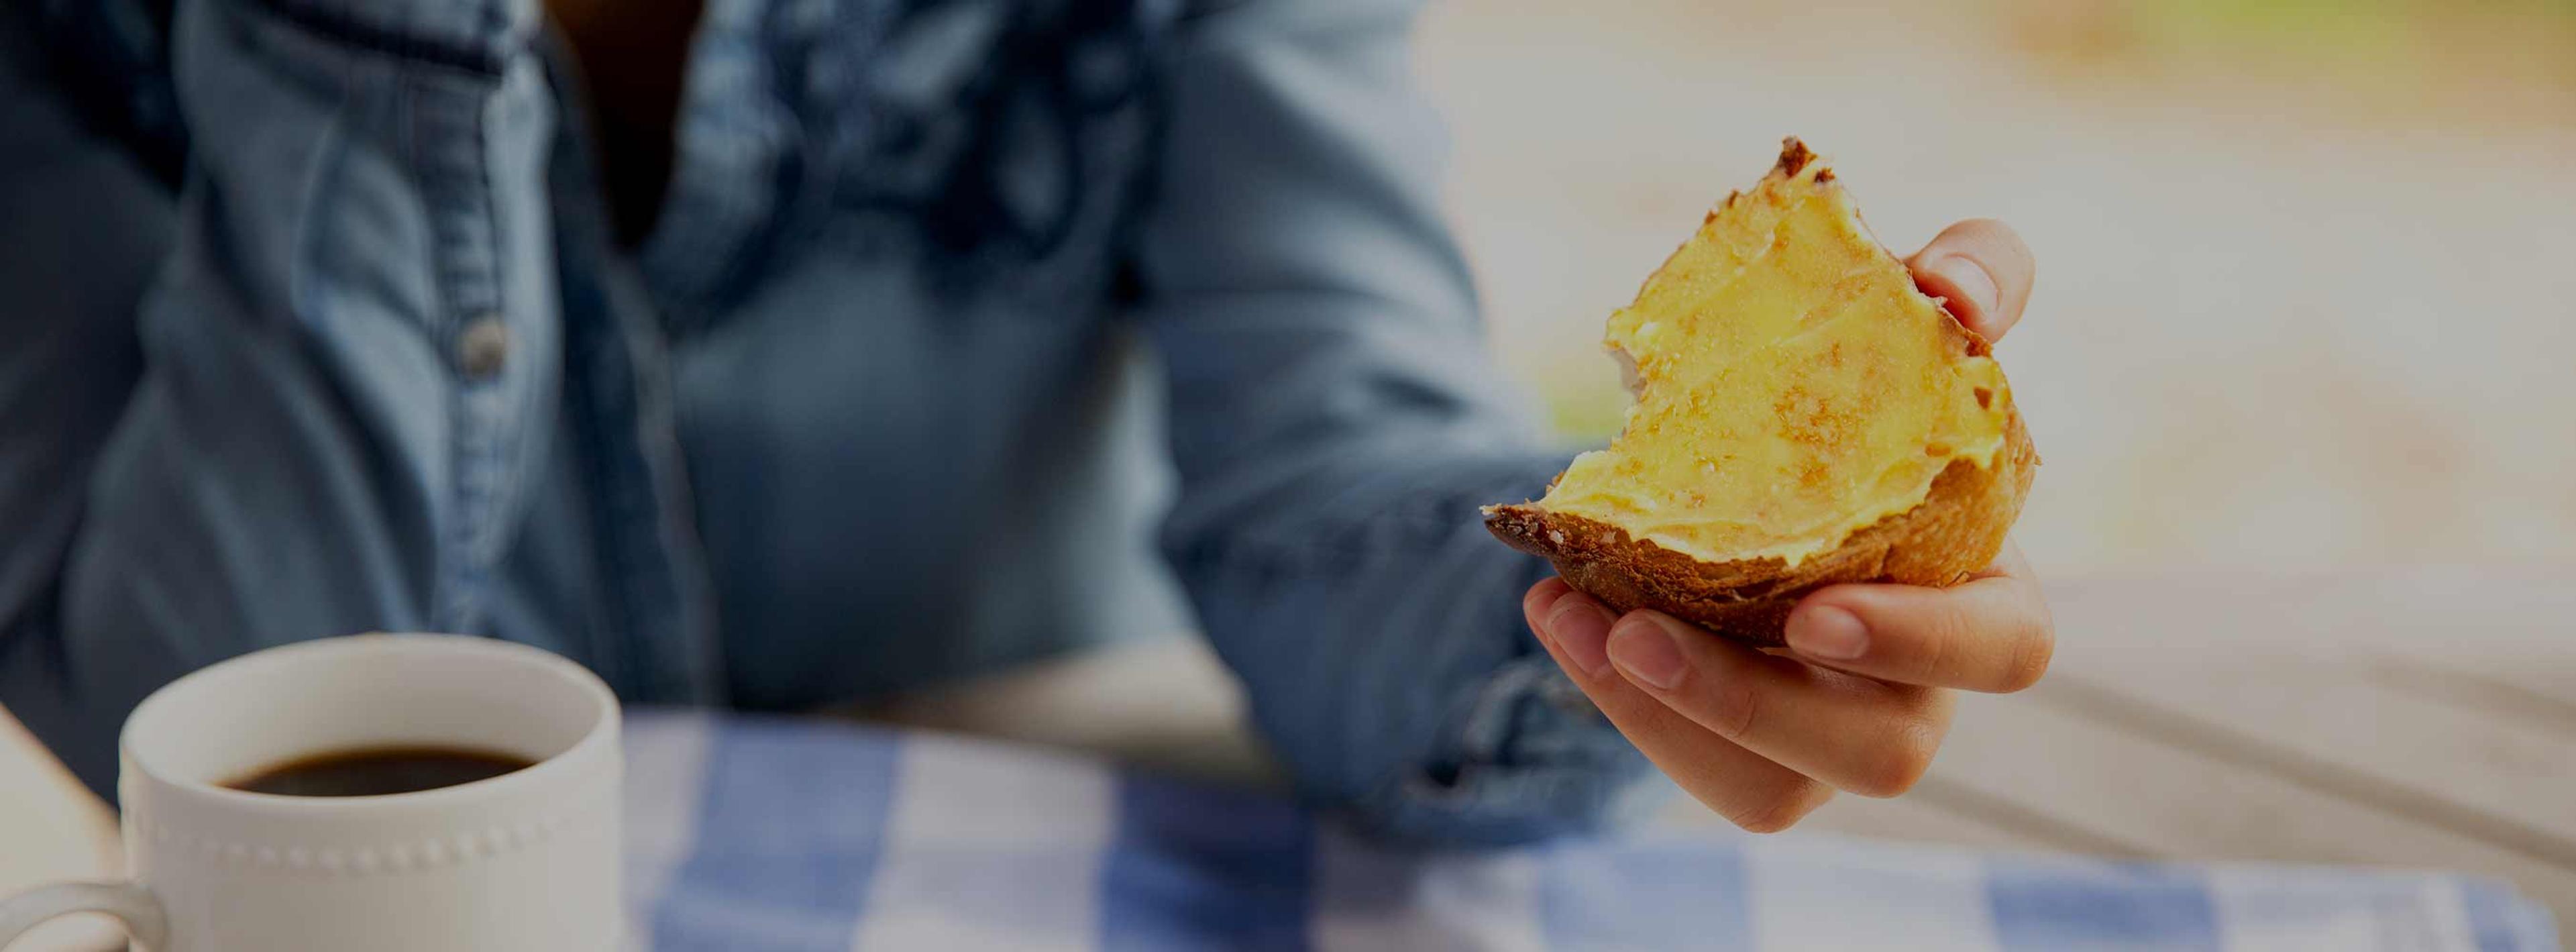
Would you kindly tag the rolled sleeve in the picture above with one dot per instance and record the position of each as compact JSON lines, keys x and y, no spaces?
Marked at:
{"x":1529,"y":759}
{"x":1337,"y":422}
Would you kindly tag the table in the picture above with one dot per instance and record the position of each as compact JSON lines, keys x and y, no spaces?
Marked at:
{"x":790,"y":835}
{"x":2420,"y":718}
{"x":2424,"y":717}
{"x":2413,"y":716}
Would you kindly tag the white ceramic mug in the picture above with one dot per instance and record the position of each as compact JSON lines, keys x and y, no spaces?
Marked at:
{"x":525,"y":860}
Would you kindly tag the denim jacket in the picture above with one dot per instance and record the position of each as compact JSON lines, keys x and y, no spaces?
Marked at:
{"x":968,"y":333}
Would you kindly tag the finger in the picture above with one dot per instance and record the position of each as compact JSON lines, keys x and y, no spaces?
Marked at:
{"x":1991,"y":634}
{"x":1981,"y":268}
{"x":1869,"y":737}
{"x":1534,"y":604}
{"x":1748,"y":790}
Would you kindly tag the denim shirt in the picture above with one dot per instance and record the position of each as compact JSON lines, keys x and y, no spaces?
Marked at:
{"x":968,"y":333}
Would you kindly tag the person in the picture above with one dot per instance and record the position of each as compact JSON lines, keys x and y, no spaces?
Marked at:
{"x":776,"y":354}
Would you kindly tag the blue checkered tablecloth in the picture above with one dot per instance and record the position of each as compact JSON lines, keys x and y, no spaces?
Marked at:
{"x":765,"y":834}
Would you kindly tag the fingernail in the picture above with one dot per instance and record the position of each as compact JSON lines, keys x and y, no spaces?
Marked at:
{"x":1972,"y":281}
{"x":1647,"y":653}
{"x":1582,"y":630}
{"x":1827,"y":632}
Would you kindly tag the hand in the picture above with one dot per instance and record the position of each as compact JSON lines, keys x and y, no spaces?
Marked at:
{"x":1860,"y":699}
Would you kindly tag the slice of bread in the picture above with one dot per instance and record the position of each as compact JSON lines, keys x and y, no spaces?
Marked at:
{"x":1804,"y":416}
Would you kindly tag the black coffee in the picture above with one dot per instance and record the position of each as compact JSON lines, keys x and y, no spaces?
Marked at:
{"x":370,"y":771}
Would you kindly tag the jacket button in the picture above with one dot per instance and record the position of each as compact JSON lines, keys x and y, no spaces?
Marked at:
{"x":485,"y":347}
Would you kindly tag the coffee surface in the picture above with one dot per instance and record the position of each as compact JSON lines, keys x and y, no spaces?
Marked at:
{"x":375,"y":771}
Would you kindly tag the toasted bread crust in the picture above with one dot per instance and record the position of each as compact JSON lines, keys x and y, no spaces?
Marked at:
{"x":1955,"y":532}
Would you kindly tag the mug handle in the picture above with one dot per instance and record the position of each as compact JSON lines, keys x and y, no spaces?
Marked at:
{"x":132,"y":903}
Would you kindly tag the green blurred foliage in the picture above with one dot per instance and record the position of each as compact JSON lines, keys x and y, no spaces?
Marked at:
{"x":2389,"y":39}
{"x":2364,"y":29}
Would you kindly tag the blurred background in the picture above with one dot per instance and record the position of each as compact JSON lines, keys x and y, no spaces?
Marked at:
{"x":2307,"y":293}
{"x":2301,"y":364}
